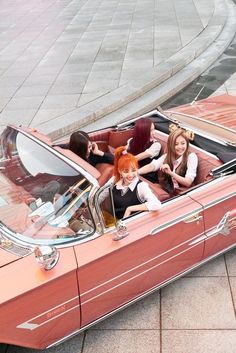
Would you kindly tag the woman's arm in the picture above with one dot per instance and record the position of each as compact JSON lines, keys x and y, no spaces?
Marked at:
{"x":151,"y":152}
{"x":147,"y":196}
{"x":190,"y":175}
{"x":135,"y":208}
{"x":101,"y":157}
{"x":147,"y":169}
{"x":184,"y":181}
{"x":153,"y":166}
{"x":96,"y":150}
{"x":150,"y":201}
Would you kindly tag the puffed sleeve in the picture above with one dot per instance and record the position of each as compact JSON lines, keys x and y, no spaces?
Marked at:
{"x":147,"y":196}
{"x":154,"y":149}
{"x":158,"y":162}
{"x":192,"y":164}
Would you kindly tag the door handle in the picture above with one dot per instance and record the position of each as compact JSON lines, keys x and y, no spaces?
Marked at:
{"x":193,"y":218}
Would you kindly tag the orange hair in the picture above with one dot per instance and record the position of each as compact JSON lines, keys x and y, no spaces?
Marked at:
{"x":123,"y":161}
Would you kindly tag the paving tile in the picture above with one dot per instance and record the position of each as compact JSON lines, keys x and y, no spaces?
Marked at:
{"x":16,"y":117}
{"x":73,"y":345}
{"x":32,"y":90}
{"x":211,"y":269}
{"x":144,"y":314}
{"x":38,"y":80}
{"x":231,"y":262}
{"x":233,"y":288}
{"x":119,"y":341}
{"x":24,"y":103}
{"x":67,"y":88}
{"x":76,"y":68}
{"x":106,"y":84}
{"x":89,"y":97}
{"x":60,"y":102}
{"x":45,"y":115}
{"x":205,"y":10}
{"x":202,"y":341}
{"x":198,"y":303}
{"x":8,"y":92}
{"x":3,"y":103}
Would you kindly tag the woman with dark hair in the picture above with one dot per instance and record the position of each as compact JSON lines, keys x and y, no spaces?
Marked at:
{"x":144,"y":144}
{"x":81,"y":145}
{"x":177,"y":167}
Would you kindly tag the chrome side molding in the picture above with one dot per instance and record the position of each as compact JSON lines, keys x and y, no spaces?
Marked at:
{"x":222,"y":227}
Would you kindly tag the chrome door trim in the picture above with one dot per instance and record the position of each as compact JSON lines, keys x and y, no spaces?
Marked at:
{"x":150,"y":291}
{"x":198,"y":240}
{"x":175,"y":221}
{"x":221,"y":199}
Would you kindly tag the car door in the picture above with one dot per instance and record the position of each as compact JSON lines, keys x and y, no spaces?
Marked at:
{"x":160,"y":246}
{"x":218,"y":200}
{"x":39,"y":307}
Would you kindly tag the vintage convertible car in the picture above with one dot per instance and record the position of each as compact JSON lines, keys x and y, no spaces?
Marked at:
{"x":67,"y":263}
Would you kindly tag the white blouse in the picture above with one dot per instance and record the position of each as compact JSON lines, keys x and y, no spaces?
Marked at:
{"x":192,"y":163}
{"x":145,"y":194}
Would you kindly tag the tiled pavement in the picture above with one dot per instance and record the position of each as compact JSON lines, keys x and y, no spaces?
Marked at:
{"x":194,"y":314}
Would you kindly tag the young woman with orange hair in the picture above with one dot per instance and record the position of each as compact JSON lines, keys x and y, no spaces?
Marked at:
{"x":130,"y":194}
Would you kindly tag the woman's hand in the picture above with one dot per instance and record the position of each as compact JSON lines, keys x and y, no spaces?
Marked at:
{"x":135,"y":208}
{"x":128,"y":212}
{"x":96,"y":150}
{"x":165,"y":168}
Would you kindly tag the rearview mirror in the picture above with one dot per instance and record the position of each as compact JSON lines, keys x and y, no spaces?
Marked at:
{"x":46,"y":256}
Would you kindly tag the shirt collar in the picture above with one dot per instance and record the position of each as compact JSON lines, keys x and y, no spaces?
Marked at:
{"x":178,"y":161}
{"x":131,"y":186}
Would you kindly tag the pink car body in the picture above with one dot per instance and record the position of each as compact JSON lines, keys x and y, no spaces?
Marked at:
{"x":83,"y":273}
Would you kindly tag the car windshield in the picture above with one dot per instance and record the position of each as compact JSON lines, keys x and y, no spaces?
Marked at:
{"x":42,"y":197}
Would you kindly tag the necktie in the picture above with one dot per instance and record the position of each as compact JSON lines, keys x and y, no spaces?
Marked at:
{"x":175,"y":165}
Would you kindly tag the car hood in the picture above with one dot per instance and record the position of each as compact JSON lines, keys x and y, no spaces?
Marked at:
{"x":7,"y":257}
{"x":216,"y":116}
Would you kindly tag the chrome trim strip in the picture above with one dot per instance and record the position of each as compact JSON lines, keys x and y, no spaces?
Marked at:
{"x":206,"y":185}
{"x":216,"y":202}
{"x":150,"y":291}
{"x":198,"y":240}
{"x":19,"y":239}
{"x":29,"y":325}
{"x":138,"y":266}
{"x":136,"y":276}
{"x":175,"y":221}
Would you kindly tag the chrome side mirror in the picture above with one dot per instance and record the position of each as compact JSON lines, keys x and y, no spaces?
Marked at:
{"x":46,"y":256}
{"x":121,"y":230}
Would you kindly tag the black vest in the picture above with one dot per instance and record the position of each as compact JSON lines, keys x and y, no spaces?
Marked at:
{"x":166,"y":181}
{"x":122,"y":201}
